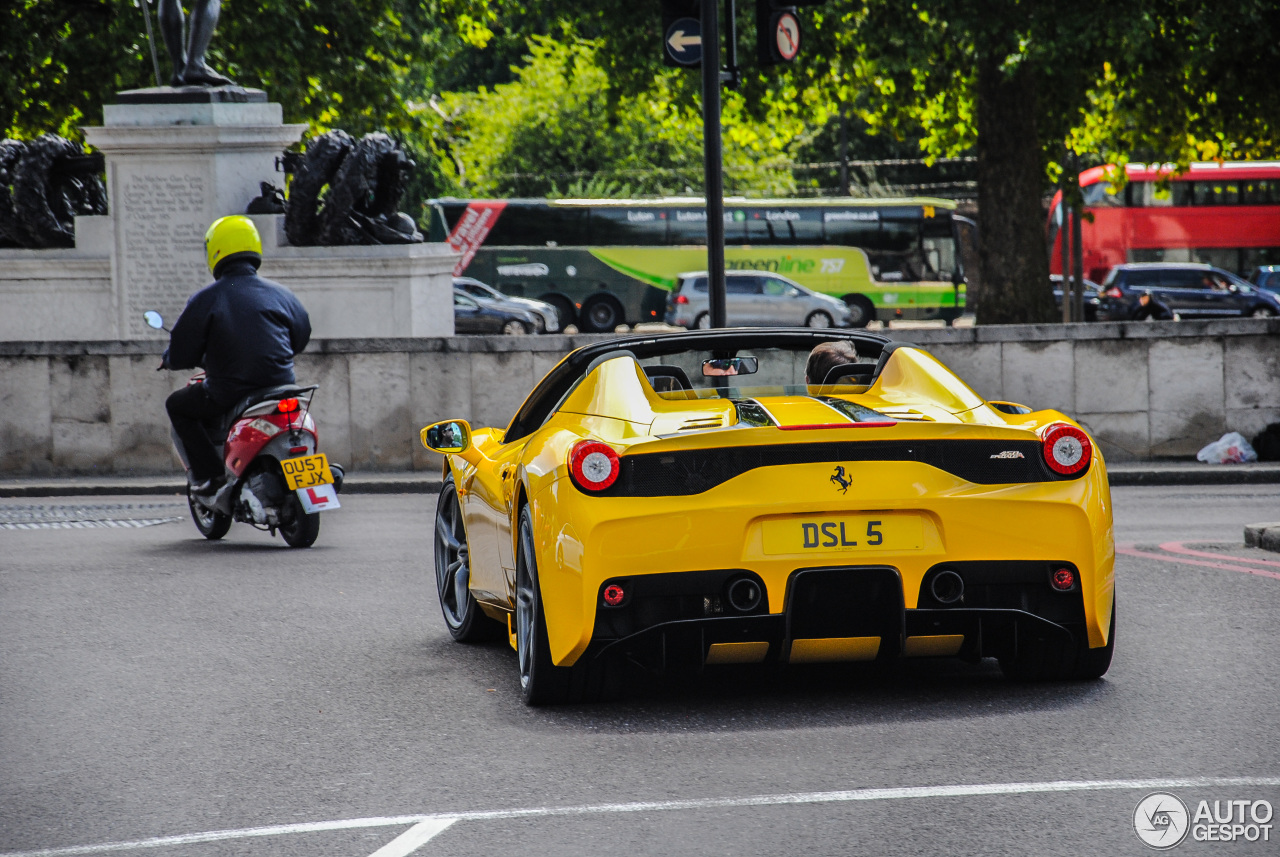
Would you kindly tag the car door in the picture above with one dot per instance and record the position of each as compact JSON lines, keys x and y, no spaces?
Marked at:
{"x":467,"y":317}
{"x":1187,"y":292}
{"x":489,"y":510}
{"x":783,"y":303}
{"x":743,"y":298}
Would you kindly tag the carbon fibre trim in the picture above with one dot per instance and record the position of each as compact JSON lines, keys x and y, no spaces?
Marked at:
{"x":984,"y":462}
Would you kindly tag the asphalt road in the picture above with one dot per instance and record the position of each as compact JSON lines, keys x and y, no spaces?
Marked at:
{"x":191,"y":699}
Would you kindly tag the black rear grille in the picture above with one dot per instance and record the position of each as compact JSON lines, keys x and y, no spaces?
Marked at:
{"x":985,"y":462}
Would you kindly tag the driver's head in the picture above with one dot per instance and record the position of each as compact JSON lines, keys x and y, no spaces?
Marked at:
{"x":826,"y":356}
{"x":232,"y":238}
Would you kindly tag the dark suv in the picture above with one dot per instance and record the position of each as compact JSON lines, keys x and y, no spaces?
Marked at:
{"x":1188,"y":290}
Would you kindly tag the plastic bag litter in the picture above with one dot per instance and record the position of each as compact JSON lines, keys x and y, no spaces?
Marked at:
{"x":1231,"y":448}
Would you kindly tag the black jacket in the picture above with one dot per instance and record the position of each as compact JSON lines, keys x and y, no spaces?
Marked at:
{"x":244,"y":331}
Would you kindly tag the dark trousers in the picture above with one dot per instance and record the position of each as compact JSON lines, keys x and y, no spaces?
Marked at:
{"x":188,"y":409}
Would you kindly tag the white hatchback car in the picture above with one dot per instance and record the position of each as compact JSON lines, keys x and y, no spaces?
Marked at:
{"x":754,"y":299}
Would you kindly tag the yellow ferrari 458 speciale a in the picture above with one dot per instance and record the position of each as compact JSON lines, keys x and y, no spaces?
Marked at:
{"x":694,"y":499}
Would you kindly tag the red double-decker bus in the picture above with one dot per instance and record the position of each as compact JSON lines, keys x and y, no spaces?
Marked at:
{"x":1226,"y":215}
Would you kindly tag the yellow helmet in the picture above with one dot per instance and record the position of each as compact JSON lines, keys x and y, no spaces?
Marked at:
{"x":233,"y":237}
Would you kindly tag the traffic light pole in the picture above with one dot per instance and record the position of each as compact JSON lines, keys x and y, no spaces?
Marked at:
{"x":713,"y":158}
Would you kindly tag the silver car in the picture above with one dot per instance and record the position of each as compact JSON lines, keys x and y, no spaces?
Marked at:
{"x":754,"y":299}
{"x":544,"y":314}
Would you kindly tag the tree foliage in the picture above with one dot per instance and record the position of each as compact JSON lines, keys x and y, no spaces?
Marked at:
{"x":528,"y":97}
{"x":561,"y":123}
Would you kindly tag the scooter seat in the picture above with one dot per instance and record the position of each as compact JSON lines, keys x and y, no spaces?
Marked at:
{"x":265,"y":394}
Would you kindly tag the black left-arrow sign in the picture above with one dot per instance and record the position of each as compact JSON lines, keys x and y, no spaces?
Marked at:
{"x":683,"y":41}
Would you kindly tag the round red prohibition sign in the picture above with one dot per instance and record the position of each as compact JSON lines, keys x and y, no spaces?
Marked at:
{"x":786,"y":35}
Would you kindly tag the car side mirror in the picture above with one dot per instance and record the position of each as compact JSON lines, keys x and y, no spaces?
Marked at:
{"x":448,"y":437}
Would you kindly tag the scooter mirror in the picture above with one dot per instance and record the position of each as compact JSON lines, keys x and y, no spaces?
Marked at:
{"x":154,"y":319}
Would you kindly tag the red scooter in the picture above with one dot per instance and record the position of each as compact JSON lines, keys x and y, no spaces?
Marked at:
{"x":275,"y":479}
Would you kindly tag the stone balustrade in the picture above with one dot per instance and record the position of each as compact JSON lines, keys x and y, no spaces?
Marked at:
{"x":1144,"y":389}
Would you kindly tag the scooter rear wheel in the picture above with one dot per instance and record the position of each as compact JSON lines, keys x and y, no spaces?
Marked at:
{"x":298,"y":529}
{"x":212,"y":525}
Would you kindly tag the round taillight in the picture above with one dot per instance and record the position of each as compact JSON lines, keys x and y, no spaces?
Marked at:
{"x":1063,"y":580}
{"x":287,"y":406}
{"x":1067,"y":449}
{"x":614,"y":595}
{"x":594,"y":465}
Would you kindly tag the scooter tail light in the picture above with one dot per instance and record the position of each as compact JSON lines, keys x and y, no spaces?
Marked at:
{"x":1067,"y":449}
{"x":287,"y":406}
{"x":594,"y":465}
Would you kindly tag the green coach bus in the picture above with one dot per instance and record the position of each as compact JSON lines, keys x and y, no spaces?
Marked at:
{"x":606,"y":262}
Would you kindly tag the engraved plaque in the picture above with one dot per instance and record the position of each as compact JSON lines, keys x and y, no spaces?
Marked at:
{"x":161,"y":242}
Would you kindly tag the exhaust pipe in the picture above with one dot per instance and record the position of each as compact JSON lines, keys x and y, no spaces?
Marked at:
{"x":744,"y":594}
{"x":947,"y":587}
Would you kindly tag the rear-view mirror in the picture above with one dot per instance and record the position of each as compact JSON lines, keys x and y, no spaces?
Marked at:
{"x":731,"y":366}
{"x":153,"y":319}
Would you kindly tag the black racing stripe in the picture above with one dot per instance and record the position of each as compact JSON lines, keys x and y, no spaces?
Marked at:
{"x":685,"y":472}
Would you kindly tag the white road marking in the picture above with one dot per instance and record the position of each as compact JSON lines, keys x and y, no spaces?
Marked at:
{"x":415,"y":837}
{"x":905,"y":793}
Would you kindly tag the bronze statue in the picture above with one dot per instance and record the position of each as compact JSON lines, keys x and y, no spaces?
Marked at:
{"x":189,"y":68}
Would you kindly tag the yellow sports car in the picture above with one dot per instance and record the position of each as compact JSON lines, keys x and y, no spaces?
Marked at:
{"x":763,"y":496}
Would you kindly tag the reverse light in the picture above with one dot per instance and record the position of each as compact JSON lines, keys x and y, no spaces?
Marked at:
{"x":287,"y":406}
{"x":594,"y":465}
{"x":267,"y":427}
{"x":1063,"y":580}
{"x":1067,"y":449}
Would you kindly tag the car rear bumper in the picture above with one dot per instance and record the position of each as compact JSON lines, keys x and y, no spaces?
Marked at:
{"x":1005,"y":539}
{"x":860,"y":617}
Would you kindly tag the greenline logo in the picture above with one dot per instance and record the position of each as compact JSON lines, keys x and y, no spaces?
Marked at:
{"x":785,"y":265}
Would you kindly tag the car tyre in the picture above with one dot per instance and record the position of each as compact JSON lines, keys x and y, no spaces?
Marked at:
{"x":702,"y":321}
{"x":601,"y":315}
{"x":212,"y":525}
{"x":541,"y":681}
{"x":466,"y":622}
{"x":1263,"y":312}
{"x":818,"y":320}
{"x":514,"y":328}
{"x":861,"y":310}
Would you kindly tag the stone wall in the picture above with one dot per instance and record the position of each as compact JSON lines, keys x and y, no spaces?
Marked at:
{"x":1153,"y":389}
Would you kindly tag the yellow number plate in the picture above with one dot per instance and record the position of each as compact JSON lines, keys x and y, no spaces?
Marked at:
{"x":307,"y":472}
{"x":839,"y":533}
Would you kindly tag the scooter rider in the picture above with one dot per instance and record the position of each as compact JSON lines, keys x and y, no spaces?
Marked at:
{"x":243,"y":330}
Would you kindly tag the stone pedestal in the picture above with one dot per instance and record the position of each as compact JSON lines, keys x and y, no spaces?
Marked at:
{"x":172,"y":169}
{"x":367,"y":291}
